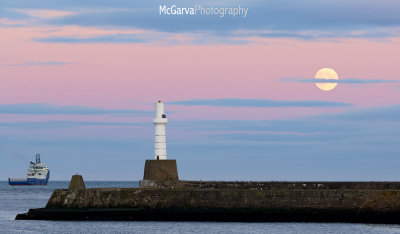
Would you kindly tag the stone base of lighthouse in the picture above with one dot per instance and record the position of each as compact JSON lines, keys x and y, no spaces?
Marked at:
{"x":158,"y":171}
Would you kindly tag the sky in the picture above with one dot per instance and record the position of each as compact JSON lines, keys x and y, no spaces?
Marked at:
{"x":79,"y":80}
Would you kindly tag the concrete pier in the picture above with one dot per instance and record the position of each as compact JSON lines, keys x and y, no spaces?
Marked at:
{"x":156,"y":171}
{"x":76,"y":183}
{"x":361,"y":202}
{"x":162,"y":196}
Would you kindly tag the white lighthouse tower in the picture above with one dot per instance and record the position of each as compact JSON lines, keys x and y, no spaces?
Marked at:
{"x":161,"y":168}
{"x":160,"y":144}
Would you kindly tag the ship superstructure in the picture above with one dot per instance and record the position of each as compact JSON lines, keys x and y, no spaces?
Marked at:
{"x":38,"y":174}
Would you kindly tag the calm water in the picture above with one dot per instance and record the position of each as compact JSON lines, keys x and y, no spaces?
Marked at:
{"x":18,"y":199}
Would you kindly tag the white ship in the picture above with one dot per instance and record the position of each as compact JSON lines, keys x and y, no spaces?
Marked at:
{"x":38,"y":174}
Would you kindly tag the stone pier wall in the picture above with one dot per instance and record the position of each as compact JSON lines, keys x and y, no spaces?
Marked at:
{"x":192,"y":198}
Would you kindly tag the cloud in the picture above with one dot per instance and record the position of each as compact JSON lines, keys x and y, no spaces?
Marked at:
{"x":49,"y":63}
{"x":12,"y":14}
{"x":144,"y":37}
{"x":67,"y":124}
{"x":204,"y":37}
{"x":4,"y":22}
{"x":293,"y":127}
{"x":115,"y":38}
{"x":267,"y":15}
{"x":312,"y":35}
{"x":50,"y":109}
{"x":305,"y":20}
{"x":42,"y":13}
{"x":341,"y":81}
{"x":379,"y":123}
{"x":258,"y":103}
{"x":388,"y":114}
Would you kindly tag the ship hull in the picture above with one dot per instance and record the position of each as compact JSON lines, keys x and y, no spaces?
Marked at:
{"x":29,"y":181}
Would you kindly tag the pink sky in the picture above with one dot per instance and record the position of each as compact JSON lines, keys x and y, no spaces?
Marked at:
{"x":144,"y":57}
{"x":133,"y":75}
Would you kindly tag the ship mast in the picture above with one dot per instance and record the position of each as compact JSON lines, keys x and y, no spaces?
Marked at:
{"x":37,"y":158}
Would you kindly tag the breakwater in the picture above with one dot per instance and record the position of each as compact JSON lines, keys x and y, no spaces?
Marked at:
{"x":368,"y":202}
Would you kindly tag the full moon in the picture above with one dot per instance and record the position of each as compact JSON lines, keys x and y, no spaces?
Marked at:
{"x":329,"y":74}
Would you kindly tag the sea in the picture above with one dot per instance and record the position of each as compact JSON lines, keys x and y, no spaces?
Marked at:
{"x":19,"y":199}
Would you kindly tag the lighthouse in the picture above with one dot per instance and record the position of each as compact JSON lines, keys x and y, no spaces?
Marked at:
{"x":160,"y":168}
{"x":160,"y":143}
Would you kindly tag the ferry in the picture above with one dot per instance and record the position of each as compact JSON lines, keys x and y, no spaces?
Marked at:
{"x":38,"y":174}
